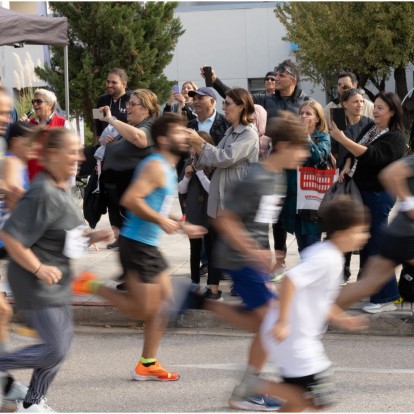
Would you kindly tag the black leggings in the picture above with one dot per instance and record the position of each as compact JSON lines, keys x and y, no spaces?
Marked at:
{"x":114,"y":184}
{"x":196,"y":247}
{"x":280,"y":236}
{"x":214,"y":274}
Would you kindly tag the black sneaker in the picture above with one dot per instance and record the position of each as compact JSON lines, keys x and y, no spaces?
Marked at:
{"x":114,"y":245}
{"x":204,"y":270}
{"x":233,"y":291}
{"x":208,"y":294}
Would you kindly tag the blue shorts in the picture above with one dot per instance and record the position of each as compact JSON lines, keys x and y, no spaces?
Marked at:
{"x":251,"y":285}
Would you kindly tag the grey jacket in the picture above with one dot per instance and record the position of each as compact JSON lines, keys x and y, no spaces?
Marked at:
{"x":231,"y":159}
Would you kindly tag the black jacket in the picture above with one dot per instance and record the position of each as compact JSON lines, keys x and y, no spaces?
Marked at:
{"x":217,"y":130}
{"x":272,"y":102}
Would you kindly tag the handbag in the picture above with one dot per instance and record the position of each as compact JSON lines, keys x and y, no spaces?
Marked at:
{"x":313,"y":183}
{"x":406,"y":283}
{"x":347,"y":186}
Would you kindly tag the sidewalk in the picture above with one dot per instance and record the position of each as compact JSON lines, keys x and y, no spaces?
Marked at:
{"x":93,"y":311}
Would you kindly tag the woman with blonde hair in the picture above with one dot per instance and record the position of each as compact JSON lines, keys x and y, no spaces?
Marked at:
{"x":129,"y":147}
{"x":305,"y":225}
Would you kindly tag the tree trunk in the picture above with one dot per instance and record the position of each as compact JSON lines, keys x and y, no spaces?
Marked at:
{"x":400,"y":82}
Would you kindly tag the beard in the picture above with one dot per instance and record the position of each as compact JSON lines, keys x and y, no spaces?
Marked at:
{"x":179,"y":150}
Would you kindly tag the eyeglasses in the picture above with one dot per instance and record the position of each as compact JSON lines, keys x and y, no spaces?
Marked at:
{"x":270,"y":78}
{"x":37,"y":101}
{"x":132,"y":104}
{"x":344,"y":87}
{"x":225,"y":103}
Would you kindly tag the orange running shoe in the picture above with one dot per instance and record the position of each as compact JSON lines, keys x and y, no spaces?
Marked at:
{"x":81,"y":284}
{"x":153,"y":373}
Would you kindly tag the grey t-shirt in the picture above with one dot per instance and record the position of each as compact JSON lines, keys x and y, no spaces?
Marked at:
{"x":402,"y":225}
{"x":40,"y":222}
{"x":121,"y":155}
{"x":257,"y":200}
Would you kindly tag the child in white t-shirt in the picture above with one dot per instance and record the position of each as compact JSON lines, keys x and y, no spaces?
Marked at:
{"x":292,"y":329}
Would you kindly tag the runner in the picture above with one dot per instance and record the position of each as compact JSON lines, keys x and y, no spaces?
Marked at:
{"x":148,"y":201}
{"x":292,"y":329}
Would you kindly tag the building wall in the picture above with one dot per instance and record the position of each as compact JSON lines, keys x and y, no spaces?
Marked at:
{"x":239,"y":40}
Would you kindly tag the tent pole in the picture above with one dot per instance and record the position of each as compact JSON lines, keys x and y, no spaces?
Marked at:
{"x":66,"y":75}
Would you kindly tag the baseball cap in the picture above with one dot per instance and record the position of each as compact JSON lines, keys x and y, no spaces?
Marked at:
{"x":290,"y":67}
{"x":204,"y":91}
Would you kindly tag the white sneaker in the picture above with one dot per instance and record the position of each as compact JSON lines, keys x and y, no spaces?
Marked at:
{"x":379,"y":307}
{"x":42,"y":407}
{"x":17,"y":392}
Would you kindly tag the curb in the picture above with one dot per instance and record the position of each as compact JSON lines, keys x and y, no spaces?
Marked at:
{"x":98,"y":314}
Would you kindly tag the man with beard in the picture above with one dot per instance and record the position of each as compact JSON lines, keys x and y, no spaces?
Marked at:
{"x":148,"y":201}
{"x":116,"y":98}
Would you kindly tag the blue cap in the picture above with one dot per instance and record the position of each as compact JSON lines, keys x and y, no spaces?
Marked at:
{"x":204,"y":91}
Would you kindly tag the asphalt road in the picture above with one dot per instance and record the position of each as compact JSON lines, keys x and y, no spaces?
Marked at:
{"x":373,"y":373}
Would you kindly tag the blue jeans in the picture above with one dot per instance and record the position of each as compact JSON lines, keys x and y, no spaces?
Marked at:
{"x":379,"y":204}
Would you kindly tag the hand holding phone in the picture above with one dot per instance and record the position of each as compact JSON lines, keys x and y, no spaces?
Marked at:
{"x":175,"y":89}
{"x":97,"y":113}
{"x":338,"y":116}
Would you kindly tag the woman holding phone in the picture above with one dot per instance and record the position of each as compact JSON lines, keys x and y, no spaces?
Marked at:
{"x":380,"y":143}
{"x":181,"y":102}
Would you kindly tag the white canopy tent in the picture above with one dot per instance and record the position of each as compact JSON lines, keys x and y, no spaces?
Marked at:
{"x":19,"y":29}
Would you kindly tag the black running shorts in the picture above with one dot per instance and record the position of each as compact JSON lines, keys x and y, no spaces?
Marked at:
{"x":146,"y":260}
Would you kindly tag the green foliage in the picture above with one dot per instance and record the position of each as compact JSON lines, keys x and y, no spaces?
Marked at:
{"x":367,"y":38}
{"x":138,"y":37}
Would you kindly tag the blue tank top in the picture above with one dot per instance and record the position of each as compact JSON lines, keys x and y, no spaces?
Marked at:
{"x":160,"y":200}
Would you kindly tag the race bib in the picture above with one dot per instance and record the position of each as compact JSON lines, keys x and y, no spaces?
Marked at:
{"x":269,"y":209}
{"x":76,"y":243}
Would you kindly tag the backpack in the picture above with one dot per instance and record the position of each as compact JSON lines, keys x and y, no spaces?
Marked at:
{"x":406,"y":283}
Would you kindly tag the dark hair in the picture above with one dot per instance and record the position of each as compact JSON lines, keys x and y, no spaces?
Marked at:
{"x":351,"y":75}
{"x":242,"y":97}
{"x":50,"y":138}
{"x":347,"y":93}
{"x":394,"y":103}
{"x":286,"y":127}
{"x":19,"y":129}
{"x":121,"y":73}
{"x":162,"y":125}
{"x":342,"y":213}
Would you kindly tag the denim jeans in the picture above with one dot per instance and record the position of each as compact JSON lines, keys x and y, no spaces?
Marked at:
{"x":379,"y":204}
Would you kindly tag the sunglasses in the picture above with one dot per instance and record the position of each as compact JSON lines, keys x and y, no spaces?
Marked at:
{"x":37,"y":101}
{"x":283,"y":68}
{"x":350,"y":92}
{"x":270,"y":78}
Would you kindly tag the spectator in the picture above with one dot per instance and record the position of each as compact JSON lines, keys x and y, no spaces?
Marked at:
{"x":379,"y":144}
{"x":133,"y":143}
{"x":231,"y":159}
{"x":116,"y":98}
{"x":287,"y":94}
{"x":196,"y":185}
{"x":305,"y":226}
{"x":260,"y":121}
{"x":208,"y":119}
{"x":269,"y":82}
{"x":44,"y":105}
{"x":182,"y":102}
{"x":352,"y":101}
{"x":346,"y":80}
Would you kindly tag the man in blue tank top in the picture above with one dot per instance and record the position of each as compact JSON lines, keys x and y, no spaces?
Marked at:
{"x":148,"y":200}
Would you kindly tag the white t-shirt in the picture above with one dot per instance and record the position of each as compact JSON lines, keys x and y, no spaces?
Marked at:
{"x":317,"y":280}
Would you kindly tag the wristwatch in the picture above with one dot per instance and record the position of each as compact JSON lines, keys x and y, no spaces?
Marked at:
{"x":111,"y":119}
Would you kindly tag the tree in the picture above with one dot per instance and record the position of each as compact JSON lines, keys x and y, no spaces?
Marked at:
{"x":137,"y":37}
{"x":367,"y":38}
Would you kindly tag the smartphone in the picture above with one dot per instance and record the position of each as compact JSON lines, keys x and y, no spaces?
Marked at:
{"x":97,"y":113}
{"x":338,"y":116}
{"x":175,"y":89}
{"x":208,"y":75}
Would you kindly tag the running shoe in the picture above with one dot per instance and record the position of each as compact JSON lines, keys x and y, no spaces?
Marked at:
{"x":256,"y":403}
{"x":17,"y":392}
{"x":42,"y":407}
{"x":153,"y":373}
{"x":208,"y":294}
{"x":81,"y":284}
